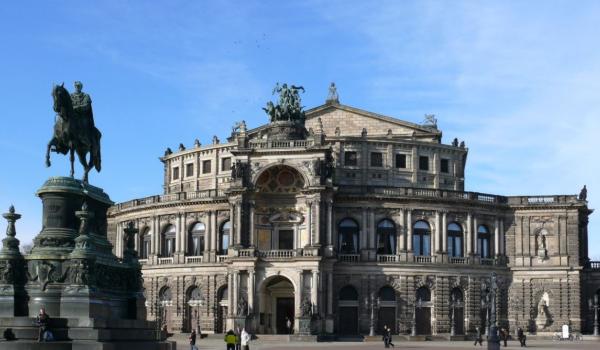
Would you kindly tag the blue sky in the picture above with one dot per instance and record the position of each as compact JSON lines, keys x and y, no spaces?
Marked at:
{"x":518,"y":81}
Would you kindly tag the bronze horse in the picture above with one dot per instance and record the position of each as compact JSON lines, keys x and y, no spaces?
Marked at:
{"x":73,"y":134}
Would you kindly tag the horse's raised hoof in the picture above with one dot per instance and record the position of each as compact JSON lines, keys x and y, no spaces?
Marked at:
{"x":47,"y":163}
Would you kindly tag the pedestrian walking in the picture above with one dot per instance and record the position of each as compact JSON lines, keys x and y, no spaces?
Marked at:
{"x":478,"y":337}
{"x":522,"y":337}
{"x":192,"y":339}
{"x":389,"y":336}
{"x":230,"y":340}
{"x":238,"y":339}
{"x":245,"y":340}
{"x":386,"y":341}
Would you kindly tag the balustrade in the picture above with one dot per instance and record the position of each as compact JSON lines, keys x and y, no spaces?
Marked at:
{"x":387,"y":258}
{"x":458,"y":260}
{"x":165,"y":261}
{"x":349,"y":258}
{"x":193,"y":259}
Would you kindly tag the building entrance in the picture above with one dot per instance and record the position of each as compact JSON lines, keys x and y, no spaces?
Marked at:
{"x":285,"y":312}
{"x":276,"y":305}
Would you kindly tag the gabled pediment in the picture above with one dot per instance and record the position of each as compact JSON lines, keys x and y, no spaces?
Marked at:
{"x":351,"y":121}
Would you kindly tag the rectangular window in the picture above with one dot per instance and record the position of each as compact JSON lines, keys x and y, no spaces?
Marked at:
{"x":424,"y":163}
{"x":444,"y":167}
{"x":176,"y":173}
{"x":401,"y":161}
{"x":189,"y":169}
{"x":376,"y":159}
{"x":286,"y":239}
{"x":225,"y":164}
{"x":350,"y":159}
{"x":206,"y":167}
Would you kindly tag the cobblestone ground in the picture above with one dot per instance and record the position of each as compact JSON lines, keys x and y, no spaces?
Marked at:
{"x":215,"y":344}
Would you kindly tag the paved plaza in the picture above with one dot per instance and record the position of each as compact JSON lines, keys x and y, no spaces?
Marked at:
{"x":214,"y":343}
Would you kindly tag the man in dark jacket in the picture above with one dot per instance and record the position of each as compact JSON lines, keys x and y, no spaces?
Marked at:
{"x":522,"y":337}
{"x":478,"y":337}
{"x":192,"y":339}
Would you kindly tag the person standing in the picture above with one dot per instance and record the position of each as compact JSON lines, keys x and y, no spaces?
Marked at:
{"x":230,"y":340}
{"x":522,"y":337}
{"x":245,"y":340}
{"x":389,"y":336}
{"x":288,"y":324}
{"x":42,"y":321}
{"x":504,"y":336}
{"x":478,"y":337}
{"x":192,"y":339}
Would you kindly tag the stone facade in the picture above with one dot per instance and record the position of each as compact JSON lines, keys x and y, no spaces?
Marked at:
{"x":362,"y":223}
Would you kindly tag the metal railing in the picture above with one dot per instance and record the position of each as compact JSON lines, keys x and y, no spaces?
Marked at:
{"x":193,"y":259}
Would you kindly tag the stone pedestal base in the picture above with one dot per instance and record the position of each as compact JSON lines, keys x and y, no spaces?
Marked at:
{"x":329,"y":325}
{"x":303,"y":326}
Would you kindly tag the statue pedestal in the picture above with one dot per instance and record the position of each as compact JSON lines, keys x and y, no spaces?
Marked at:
{"x":303,"y":325}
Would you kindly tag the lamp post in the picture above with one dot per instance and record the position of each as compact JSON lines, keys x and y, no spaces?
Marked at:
{"x":594,"y":306}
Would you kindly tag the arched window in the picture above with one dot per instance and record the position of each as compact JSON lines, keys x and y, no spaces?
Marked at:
{"x":165,"y":295}
{"x":386,"y":237}
{"x":224,"y":235}
{"x":348,"y":236}
{"x":483,"y":241}
{"x":168,"y":237}
{"x":456,"y":297}
{"x":196,"y":239}
{"x":145,"y":239}
{"x":387,"y":294}
{"x":421,"y":238}
{"x":423,"y":294}
{"x":348,"y":293}
{"x":455,"y":240}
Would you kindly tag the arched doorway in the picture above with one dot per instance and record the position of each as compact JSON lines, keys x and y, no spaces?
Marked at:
{"x":276,"y":305}
{"x":194,"y":310}
{"x":457,"y":314}
{"x":387,"y":310}
{"x":164,"y":307}
{"x":348,"y":310}
{"x":222,"y":310}
{"x":423,"y":311}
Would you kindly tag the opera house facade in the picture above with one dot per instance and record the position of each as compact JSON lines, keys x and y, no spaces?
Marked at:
{"x":342,"y":221}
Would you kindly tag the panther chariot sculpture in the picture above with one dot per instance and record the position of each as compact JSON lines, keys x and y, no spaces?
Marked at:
{"x":74,"y":129}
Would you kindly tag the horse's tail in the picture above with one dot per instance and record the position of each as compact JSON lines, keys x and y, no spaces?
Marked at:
{"x":95,"y":157}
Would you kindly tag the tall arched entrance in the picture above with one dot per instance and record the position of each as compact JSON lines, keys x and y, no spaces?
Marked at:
{"x":348,"y":311}
{"x":457,"y":314}
{"x":193,"y":310}
{"x":386,"y":315}
{"x":165,"y":305}
{"x":423,"y":311}
{"x":222,"y":310}
{"x":276,"y":305}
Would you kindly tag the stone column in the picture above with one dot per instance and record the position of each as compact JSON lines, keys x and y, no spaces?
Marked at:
{"x":214,"y":231}
{"x":236,"y":292}
{"x":155,"y":236}
{"x":437,"y":234}
{"x":400,"y":232}
{"x":298,"y":297}
{"x":230,"y":293}
{"x":329,"y":316}
{"x":496,"y":237}
{"x":136,"y":244}
{"x":232,"y":224}
{"x":329,"y":222}
{"x":252,"y":230}
{"x":372,"y":232}
{"x":317,"y":238}
{"x":314,"y":291}
{"x":251,"y":282}
{"x":178,"y":231}
{"x":238,"y":223}
{"x":364,"y":232}
{"x":409,"y":238}
{"x":474,"y":236}
{"x":445,"y":232}
{"x":502,"y":238}
{"x":309,"y":223}
{"x":468,"y":241}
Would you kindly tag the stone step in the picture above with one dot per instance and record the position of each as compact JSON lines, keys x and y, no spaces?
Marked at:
{"x":86,"y":345}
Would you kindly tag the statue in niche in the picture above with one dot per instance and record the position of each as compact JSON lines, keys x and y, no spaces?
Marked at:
{"x":543,"y":318}
{"x":542,"y":250}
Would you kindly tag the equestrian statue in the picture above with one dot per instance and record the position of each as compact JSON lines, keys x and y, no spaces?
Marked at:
{"x":74,"y":129}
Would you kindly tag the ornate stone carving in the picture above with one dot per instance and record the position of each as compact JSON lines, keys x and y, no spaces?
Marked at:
{"x":425,"y":281}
